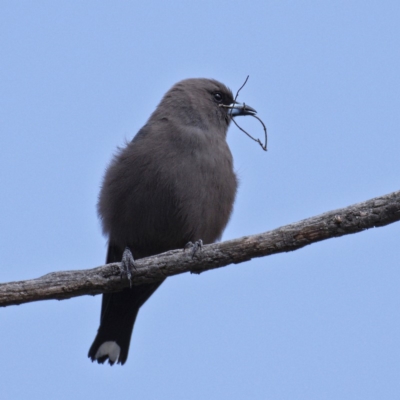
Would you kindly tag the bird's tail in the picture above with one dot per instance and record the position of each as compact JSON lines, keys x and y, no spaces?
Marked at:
{"x":118,"y":314}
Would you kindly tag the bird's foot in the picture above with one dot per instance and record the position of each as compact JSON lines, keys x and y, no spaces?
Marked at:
{"x":127,"y":263}
{"x":197,"y":245}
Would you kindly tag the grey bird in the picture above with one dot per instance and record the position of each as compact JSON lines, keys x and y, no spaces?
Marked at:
{"x":174,"y":183}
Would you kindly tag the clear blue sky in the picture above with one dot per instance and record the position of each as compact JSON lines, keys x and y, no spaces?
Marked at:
{"x":79,"y":78}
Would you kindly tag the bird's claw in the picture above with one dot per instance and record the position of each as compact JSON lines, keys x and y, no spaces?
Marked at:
{"x":197,"y":245}
{"x":127,"y":263}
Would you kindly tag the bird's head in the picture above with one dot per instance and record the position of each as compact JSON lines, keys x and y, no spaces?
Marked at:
{"x":202,"y":103}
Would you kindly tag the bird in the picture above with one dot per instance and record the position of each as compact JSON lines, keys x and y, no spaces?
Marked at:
{"x":172,"y":184}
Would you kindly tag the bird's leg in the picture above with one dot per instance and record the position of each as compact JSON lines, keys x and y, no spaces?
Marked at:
{"x":198,"y":245}
{"x":127,"y":263}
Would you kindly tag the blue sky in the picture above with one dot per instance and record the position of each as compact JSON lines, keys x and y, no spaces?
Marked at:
{"x":77,"y":79}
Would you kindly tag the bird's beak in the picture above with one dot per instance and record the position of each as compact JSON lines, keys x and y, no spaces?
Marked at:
{"x":236,"y":109}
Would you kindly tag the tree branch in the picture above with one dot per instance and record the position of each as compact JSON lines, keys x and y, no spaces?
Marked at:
{"x":376,"y":212}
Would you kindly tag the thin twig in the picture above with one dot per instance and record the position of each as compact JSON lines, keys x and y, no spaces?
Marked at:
{"x":241,"y":87}
{"x":263,"y":146}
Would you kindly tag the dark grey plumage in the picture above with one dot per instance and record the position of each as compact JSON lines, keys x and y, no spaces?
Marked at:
{"x":173,"y":183}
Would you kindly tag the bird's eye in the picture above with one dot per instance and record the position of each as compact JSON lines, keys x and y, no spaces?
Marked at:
{"x":218,"y":97}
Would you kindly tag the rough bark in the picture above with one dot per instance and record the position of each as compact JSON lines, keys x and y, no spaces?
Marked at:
{"x":376,"y":212}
